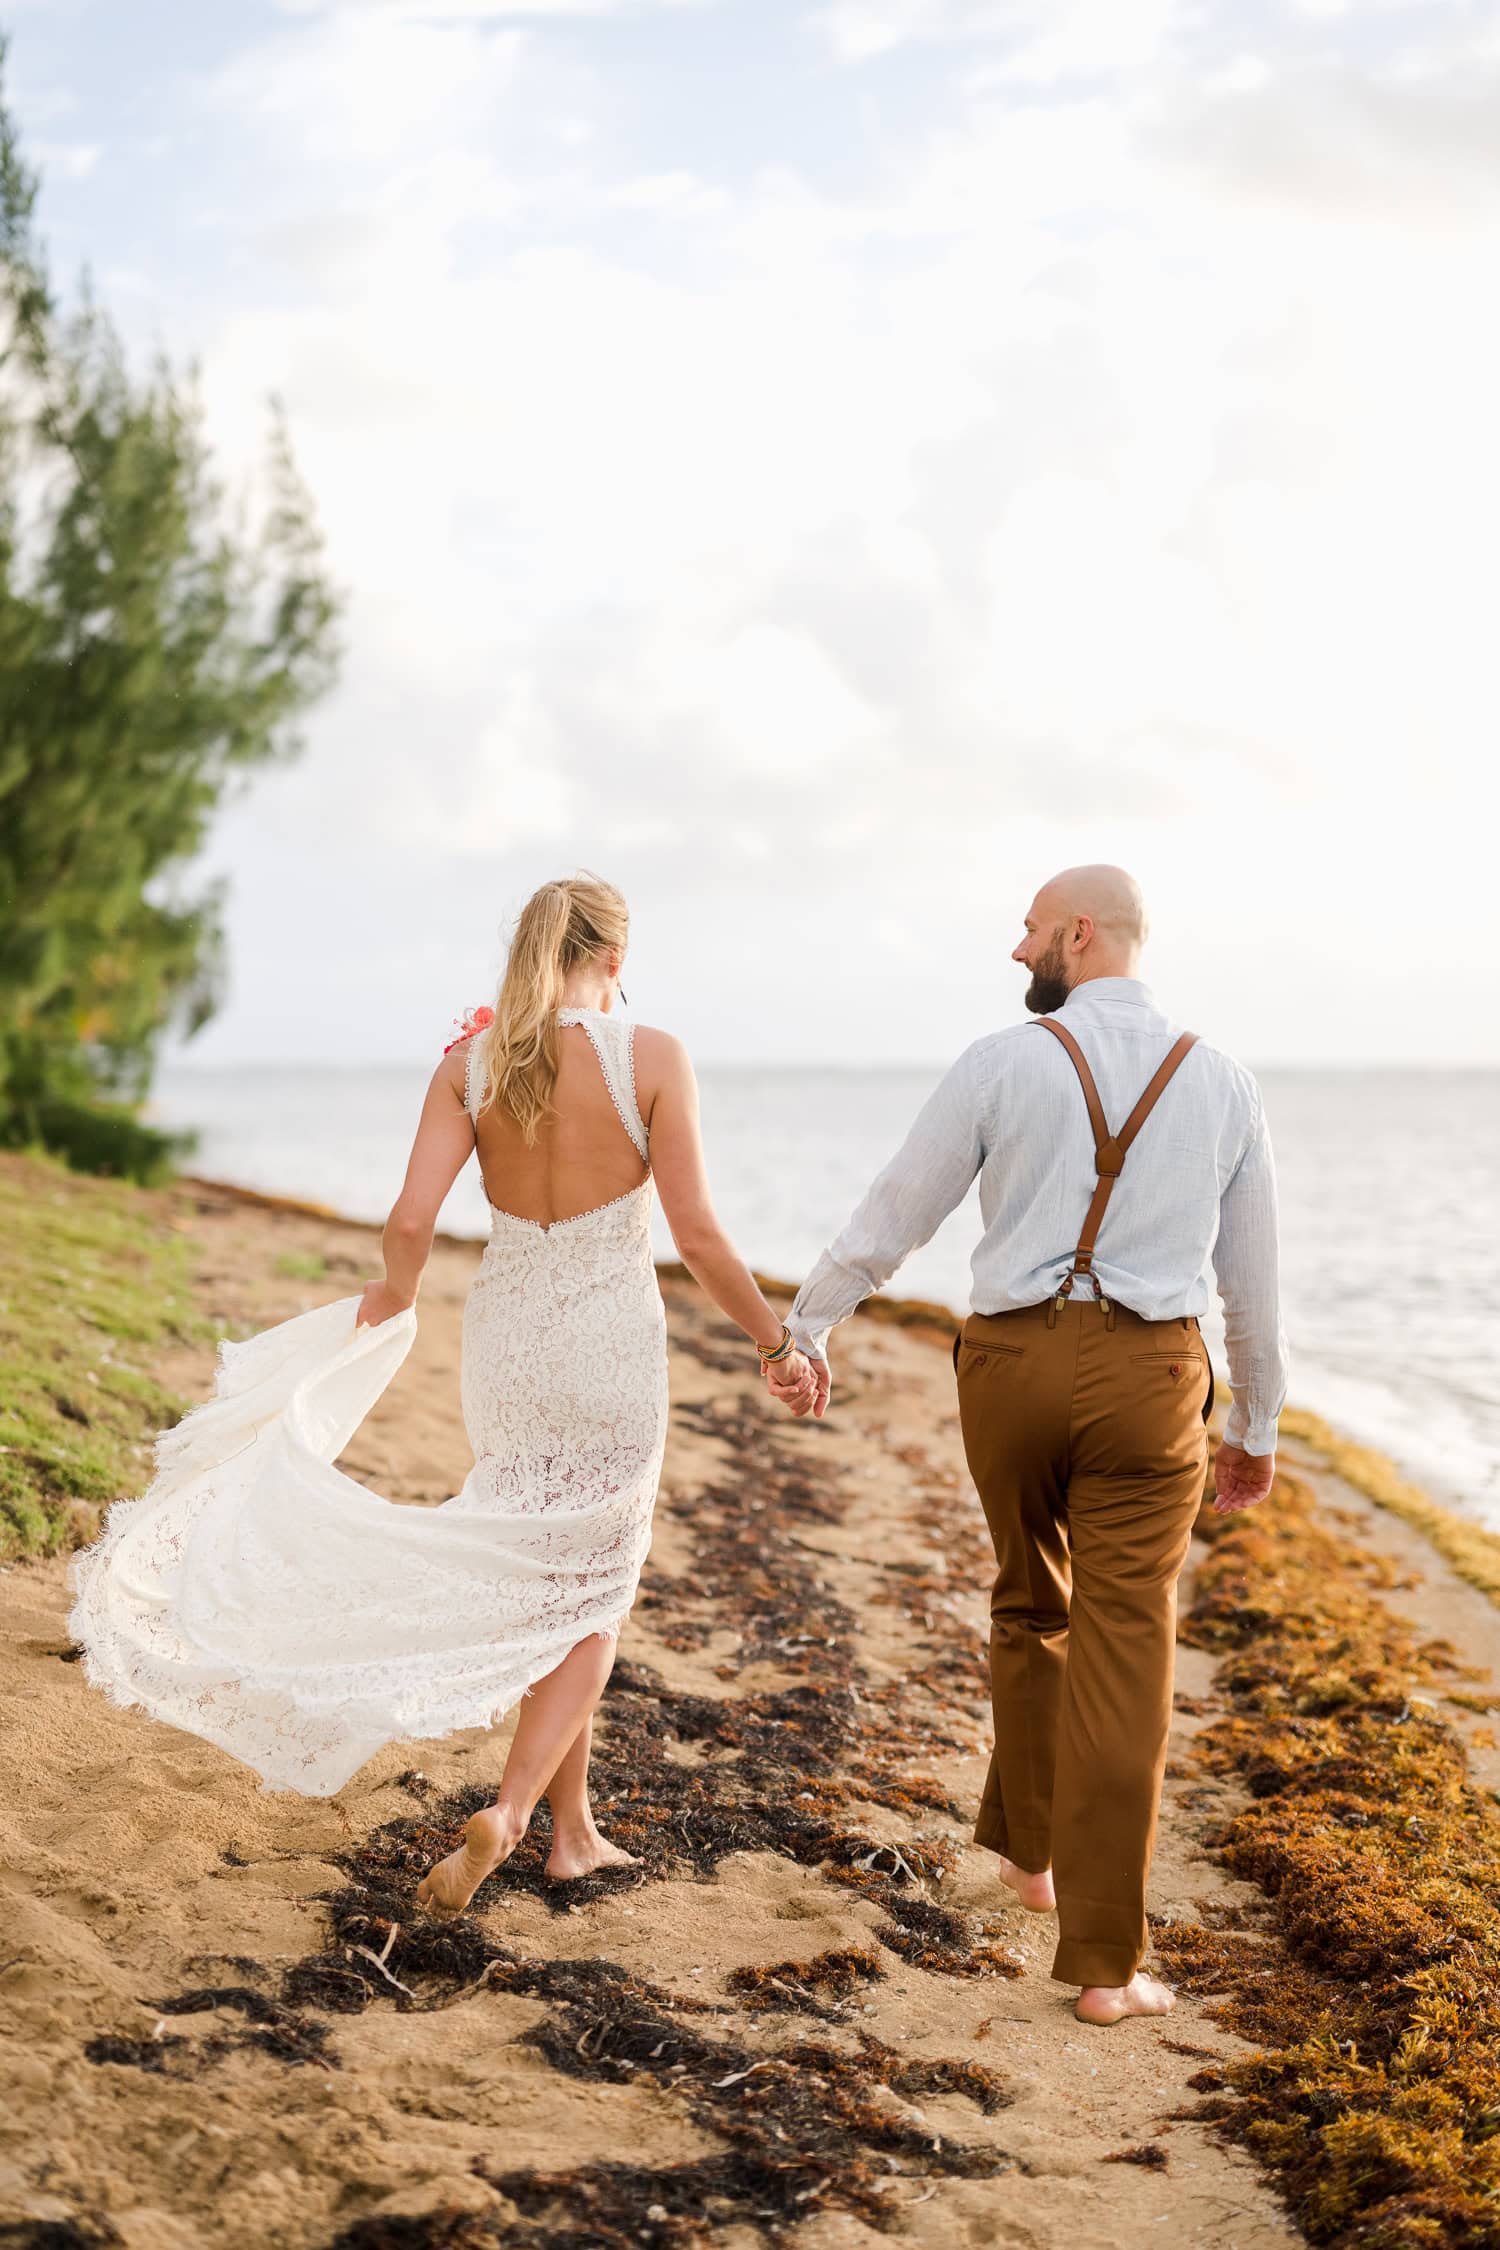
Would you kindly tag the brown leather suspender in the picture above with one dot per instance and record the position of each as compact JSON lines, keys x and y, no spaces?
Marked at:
{"x":1110,"y":1149}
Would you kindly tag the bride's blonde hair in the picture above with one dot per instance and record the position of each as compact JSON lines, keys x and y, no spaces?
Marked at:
{"x":560,"y":926}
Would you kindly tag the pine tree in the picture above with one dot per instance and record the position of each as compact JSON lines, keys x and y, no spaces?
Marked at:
{"x":152,"y":651}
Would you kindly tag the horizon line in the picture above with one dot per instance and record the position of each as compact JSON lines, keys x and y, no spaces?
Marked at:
{"x":195,"y":1067}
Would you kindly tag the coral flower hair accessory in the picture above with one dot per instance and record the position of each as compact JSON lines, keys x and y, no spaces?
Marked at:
{"x":476,"y":1019}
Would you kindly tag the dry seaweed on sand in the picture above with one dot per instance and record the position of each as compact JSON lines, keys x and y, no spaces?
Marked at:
{"x":58,"y":2234}
{"x":1376,"y":2100}
{"x":928,"y":1936}
{"x":911,"y":1794}
{"x":680,"y":1820}
{"x":776,"y":1786}
{"x":813,"y":1988}
{"x":942,"y":2075}
{"x":805,"y":2129}
{"x":159,"y":2055}
{"x":810,"y":2127}
{"x":752,"y":1571}
{"x":446,"y":2228}
{"x":246,"y":2018}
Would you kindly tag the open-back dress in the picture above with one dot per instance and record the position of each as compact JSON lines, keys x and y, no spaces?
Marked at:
{"x":257,"y":1596}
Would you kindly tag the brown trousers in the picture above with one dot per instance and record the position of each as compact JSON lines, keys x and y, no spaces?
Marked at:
{"x":1085,"y":1436}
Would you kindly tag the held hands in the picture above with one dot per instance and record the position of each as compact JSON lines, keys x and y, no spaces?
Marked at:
{"x":800,"y":1384}
{"x":1240,"y":1479}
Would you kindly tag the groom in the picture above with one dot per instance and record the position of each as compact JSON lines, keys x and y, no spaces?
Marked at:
{"x":1116,"y":1159}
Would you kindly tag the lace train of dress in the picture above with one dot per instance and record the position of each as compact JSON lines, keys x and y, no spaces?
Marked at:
{"x":257,"y":1596}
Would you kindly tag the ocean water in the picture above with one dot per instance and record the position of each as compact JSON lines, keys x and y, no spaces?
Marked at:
{"x":1389,"y":1197}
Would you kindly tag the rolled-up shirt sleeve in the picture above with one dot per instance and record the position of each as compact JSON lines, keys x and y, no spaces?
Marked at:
{"x":928,"y":1177}
{"x":1246,"y":1267}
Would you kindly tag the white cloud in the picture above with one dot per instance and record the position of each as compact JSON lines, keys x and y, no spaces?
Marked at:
{"x":352,"y":84}
{"x":511,"y":797}
{"x":1247,"y":74}
{"x":68,"y":160}
{"x":768,"y":698}
{"x":450,"y":12}
{"x":1012,"y":39}
{"x":1407,"y":150}
{"x":679,"y":193}
{"x":858,"y":30}
{"x":1087,"y":38}
{"x":43,"y":106}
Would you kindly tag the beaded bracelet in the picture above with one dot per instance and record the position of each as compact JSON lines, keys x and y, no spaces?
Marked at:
{"x":783,"y":1350}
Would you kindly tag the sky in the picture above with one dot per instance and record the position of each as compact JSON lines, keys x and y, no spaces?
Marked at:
{"x":826,"y":465}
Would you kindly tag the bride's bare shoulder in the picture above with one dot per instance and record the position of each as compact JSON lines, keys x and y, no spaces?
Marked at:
{"x":661,"y":1060}
{"x":658,"y":1045}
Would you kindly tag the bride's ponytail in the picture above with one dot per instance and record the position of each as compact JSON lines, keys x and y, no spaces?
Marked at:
{"x":560,"y":926}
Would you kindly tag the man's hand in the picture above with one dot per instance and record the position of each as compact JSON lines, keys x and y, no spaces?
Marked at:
{"x":800,"y":1384}
{"x":379,"y":1302}
{"x":791,"y":1383}
{"x":1240,"y":1478}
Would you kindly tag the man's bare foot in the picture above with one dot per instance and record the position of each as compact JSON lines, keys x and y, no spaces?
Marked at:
{"x":1034,"y":1891}
{"x":1111,"y":2003}
{"x":572,"y":1856}
{"x":490,"y":1837}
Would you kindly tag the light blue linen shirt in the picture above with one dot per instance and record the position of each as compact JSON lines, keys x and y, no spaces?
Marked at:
{"x":1198,"y":1187}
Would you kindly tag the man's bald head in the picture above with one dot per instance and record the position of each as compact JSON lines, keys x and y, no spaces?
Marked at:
{"x":1087,"y":922}
{"x":1110,"y":898}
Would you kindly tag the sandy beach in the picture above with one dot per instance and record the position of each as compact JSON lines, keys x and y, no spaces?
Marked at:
{"x":812,"y":2009}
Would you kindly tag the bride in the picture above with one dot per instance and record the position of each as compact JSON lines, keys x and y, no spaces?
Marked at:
{"x":260,"y":1598}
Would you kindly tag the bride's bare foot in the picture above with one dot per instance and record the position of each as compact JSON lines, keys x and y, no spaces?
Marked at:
{"x":572,"y":1856}
{"x":1034,"y":1891}
{"x":490,"y":1837}
{"x":1110,"y":2003}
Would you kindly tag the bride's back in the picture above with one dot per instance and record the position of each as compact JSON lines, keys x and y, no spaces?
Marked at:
{"x":583,"y":1155}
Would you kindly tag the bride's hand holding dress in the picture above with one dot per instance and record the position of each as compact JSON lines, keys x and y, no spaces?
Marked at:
{"x":379,"y":1303}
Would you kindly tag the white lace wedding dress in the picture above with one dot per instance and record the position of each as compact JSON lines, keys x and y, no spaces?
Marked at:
{"x":258,"y":1597}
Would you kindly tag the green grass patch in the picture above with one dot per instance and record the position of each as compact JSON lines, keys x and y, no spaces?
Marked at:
{"x":302,"y":1265}
{"x":94,"y":1281}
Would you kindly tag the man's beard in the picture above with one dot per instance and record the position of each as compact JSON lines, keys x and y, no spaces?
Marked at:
{"x":1048,"y":988}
